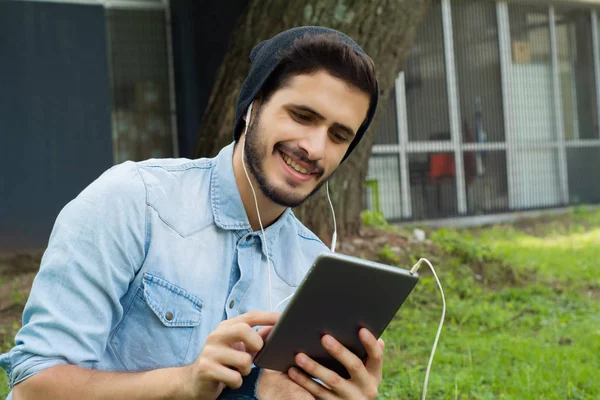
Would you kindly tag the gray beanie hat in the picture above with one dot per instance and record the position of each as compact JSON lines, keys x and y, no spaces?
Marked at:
{"x":264,"y":59}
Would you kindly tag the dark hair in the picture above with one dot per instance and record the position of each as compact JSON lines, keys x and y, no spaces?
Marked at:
{"x":313,"y":53}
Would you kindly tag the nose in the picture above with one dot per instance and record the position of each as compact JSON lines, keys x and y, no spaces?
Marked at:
{"x":314,"y":143}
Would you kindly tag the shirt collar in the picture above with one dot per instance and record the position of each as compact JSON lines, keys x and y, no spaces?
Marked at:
{"x":227,"y":206}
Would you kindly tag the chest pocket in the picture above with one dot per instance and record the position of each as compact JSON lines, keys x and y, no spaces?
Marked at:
{"x":157,"y":327}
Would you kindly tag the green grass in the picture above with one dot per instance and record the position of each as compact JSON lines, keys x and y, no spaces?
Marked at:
{"x":523,"y":318}
{"x":6,"y":343}
{"x":3,"y":385}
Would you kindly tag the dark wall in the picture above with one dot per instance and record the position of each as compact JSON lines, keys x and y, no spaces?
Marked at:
{"x":201,"y":31}
{"x":584,"y":174}
{"x":55,"y":131}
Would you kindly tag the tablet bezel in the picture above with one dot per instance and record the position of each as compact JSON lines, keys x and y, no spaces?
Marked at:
{"x":348,"y":277}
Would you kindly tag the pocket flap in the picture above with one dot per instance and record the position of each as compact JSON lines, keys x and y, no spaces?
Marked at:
{"x":171,"y":304}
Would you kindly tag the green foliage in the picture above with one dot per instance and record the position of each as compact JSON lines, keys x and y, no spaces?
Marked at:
{"x":7,"y":333}
{"x":18,"y":297}
{"x":387,"y":256}
{"x":585,"y":215}
{"x":463,"y":246}
{"x":4,"y":389}
{"x":523,"y":318}
{"x":374,"y":219}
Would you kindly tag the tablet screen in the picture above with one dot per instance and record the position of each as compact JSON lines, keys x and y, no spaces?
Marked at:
{"x":339,"y":296}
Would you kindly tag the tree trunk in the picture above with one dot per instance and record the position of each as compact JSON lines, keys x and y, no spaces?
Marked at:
{"x":385,"y":29}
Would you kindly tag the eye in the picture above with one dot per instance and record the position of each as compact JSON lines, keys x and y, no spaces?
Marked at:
{"x":339,"y":137}
{"x":300,"y":117}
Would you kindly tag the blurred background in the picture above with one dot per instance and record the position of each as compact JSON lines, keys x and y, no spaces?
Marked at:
{"x":85,"y":85}
{"x":493,"y":110}
{"x":489,"y":111}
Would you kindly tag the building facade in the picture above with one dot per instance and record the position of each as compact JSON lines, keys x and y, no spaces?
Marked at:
{"x":496,"y":111}
{"x":86,"y":84}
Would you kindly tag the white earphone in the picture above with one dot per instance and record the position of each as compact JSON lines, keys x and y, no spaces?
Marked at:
{"x":266,"y":248}
{"x":413,"y":270}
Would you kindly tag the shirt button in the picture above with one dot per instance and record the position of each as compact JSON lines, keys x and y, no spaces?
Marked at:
{"x":231,"y":304}
{"x":248,"y":238}
{"x":169,"y":316}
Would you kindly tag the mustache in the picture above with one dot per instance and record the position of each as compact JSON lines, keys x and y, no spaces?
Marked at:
{"x":300,"y":155}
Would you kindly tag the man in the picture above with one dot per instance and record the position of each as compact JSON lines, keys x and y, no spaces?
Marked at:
{"x":156,"y":275}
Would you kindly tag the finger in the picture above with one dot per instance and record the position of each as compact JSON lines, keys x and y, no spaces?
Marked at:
{"x":374,"y":363}
{"x":354,"y":365}
{"x":227,"y":376}
{"x":336,"y":383}
{"x":381,"y":343}
{"x":232,"y":359}
{"x":256,"y":318}
{"x":239,"y":346}
{"x":304,"y":381}
{"x":264,"y":332}
{"x":239,"y":332}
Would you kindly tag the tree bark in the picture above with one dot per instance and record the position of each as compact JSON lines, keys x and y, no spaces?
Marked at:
{"x":385,"y":29}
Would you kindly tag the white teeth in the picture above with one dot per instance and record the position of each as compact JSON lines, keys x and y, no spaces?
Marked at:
{"x":292,"y":164}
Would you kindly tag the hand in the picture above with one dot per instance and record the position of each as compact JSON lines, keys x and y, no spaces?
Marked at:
{"x":227,"y":354}
{"x":277,"y":385}
{"x":364,"y":377}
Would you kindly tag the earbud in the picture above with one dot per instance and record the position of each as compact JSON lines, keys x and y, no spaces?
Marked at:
{"x":334,"y":236}
{"x":333,"y":239}
{"x":262,"y":229}
{"x":248,"y":115}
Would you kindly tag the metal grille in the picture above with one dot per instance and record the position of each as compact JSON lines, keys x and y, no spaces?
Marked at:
{"x":382,"y":189}
{"x":584,"y":174}
{"x":140,"y":84}
{"x":496,"y":110}
{"x":433,"y":184}
{"x":425,"y":82}
{"x":387,"y":127}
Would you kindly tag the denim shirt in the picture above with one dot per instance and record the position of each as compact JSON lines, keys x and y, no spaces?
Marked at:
{"x":146,"y":262}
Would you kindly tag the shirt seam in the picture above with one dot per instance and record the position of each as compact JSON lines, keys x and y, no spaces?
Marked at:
{"x":116,"y":330}
{"x":149,"y":206}
{"x":310,"y":238}
{"x":179,"y":291}
{"x":178,"y":168}
{"x":216,"y":204}
{"x":146,"y":217}
{"x":182,"y":235}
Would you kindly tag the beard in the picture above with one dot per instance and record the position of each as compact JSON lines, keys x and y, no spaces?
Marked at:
{"x":255,"y":150}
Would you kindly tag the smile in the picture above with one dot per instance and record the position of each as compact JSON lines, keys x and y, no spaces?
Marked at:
{"x":291,"y":163}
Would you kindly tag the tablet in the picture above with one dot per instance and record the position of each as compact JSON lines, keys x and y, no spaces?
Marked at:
{"x":338,"y":296}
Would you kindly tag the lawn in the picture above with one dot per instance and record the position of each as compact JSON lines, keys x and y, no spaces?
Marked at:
{"x":523,"y":318}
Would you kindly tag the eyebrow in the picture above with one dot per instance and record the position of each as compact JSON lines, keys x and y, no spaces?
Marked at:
{"x":337,"y":125}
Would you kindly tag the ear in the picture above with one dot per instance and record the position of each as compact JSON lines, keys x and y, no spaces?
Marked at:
{"x":254,"y":105}
{"x":248,"y":115}
{"x":245,"y":115}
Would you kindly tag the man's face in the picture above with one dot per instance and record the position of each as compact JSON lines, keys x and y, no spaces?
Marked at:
{"x":299,"y":137}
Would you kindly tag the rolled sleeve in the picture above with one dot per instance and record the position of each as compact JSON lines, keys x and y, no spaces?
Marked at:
{"x":96,"y":247}
{"x":27,"y":365}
